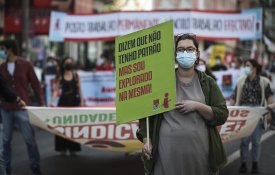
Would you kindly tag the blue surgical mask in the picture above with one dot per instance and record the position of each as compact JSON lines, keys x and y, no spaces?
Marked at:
{"x":3,"y":54}
{"x":99,"y":61}
{"x":186,"y":60}
{"x":201,"y":68}
{"x":247,"y":71}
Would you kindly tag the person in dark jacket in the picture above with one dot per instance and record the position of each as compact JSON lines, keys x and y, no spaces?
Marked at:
{"x":185,"y":140}
{"x":8,"y":94}
{"x":20,"y":76}
{"x":11,"y":97}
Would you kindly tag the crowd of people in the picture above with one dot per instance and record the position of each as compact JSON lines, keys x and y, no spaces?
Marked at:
{"x":18,"y":78}
{"x":200,"y":108}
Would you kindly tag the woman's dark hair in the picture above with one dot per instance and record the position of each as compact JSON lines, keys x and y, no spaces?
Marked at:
{"x":10,"y":44}
{"x":185,"y":36}
{"x":255,"y":64}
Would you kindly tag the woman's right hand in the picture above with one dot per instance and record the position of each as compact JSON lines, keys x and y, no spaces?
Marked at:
{"x":147,"y":149}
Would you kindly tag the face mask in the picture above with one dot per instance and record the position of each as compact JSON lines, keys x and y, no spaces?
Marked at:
{"x":247,"y":71}
{"x":186,"y":60}
{"x":69,"y":66}
{"x":3,"y":54}
{"x":233,"y":65}
{"x":100,"y":61}
{"x":201,"y":68}
{"x":218,"y":61}
{"x":50,"y":64}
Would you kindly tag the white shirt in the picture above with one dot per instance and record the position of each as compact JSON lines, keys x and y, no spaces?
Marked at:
{"x":11,"y":67}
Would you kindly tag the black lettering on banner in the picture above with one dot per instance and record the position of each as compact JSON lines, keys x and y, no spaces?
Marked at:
{"x":75,"y":27}
{"x":112,"y":25}
{"x":97,"y":26}
{"x":182,"y":23}
{"x":207,"y":24}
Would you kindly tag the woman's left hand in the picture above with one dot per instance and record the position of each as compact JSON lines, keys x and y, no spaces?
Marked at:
{"x":186,"y":106}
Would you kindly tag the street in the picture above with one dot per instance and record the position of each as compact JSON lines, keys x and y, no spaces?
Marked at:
{"x":90,"y":161}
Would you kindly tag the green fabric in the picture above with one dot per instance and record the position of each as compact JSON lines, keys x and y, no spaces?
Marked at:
{"x":213,"y":98}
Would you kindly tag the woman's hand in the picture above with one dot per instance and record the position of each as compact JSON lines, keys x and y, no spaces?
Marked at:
{"x":186,"y":106}
{"x":147,"y":149}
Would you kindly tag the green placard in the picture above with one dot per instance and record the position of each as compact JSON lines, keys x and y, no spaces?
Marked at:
{"x":145,"y":73}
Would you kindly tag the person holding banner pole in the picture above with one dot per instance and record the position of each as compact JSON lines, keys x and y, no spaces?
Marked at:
{"x":20,"y":76}
{"x":11,"y":97}
{"x":252,"y":90}
{"x":67,"y":83}
{"x":185,"y":140}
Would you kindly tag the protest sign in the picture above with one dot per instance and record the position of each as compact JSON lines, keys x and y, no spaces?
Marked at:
{"x":145,"y":74}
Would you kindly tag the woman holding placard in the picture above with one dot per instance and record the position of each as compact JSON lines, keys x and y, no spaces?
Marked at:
{"x":185,"y":141}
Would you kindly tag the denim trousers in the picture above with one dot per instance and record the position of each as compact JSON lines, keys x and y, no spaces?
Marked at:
{"x":21,"y":119}
{"x":255,"y":138}
{"x":2,"y":164}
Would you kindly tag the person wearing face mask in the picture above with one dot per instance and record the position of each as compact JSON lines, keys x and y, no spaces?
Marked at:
{"x":252,"y":90}
{"x":202,"y":66}
{"x":104,"y":64}
{"x":219,"y":65}
{"x":67,"y":82}
{"x":3,"y":56}
{"x":20,"y":75}
{"x":185,"y":140}
{"x":51,"y":68}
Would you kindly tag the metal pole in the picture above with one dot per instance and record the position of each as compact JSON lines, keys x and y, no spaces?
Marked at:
{"x":25,"y":31}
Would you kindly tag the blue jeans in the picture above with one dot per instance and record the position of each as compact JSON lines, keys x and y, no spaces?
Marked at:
{"x":2,"y":164}
{"x":21,"y":118}
{"x":255,"y":138}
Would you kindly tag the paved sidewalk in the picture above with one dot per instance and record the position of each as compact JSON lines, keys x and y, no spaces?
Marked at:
{"x":266,"y":164}
{"x":92,"y":162}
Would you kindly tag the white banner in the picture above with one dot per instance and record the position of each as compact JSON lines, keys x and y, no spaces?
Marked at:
{"x":244,"y":25}
{"x":97,"y":128}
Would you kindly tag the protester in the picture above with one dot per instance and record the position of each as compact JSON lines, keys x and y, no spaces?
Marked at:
{"x":104,"y":63}
{"x":10,"y":97}
{"x":51,"y":68}
{"x":71,"y":96}
{"x":202,"y":66}
{"x":2,"y":57}
{"x":185,"y":140}
{"x":237,"y":64}
{"x":20,"y":75}
{"x":252,"y":90}
{"x":219,"y":65}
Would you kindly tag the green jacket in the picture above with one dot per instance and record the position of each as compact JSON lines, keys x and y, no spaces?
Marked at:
{"x":213,"y":98}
